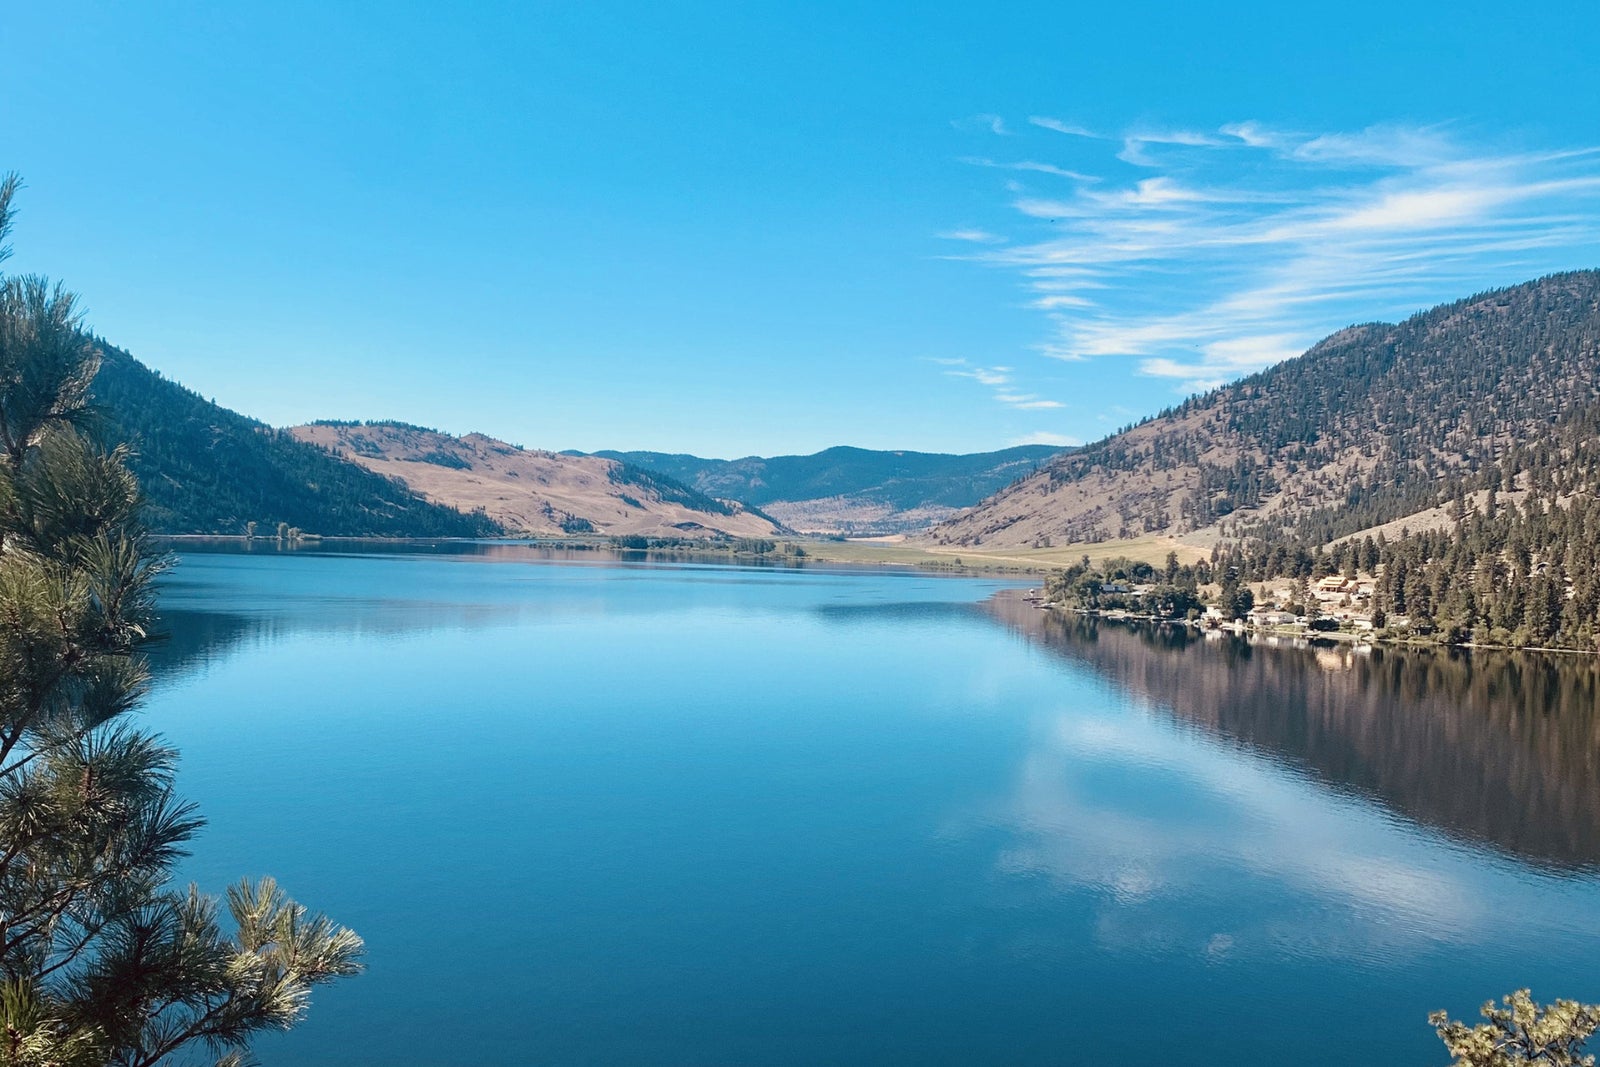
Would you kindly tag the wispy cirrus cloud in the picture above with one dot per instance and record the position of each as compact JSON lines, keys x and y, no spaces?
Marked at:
{"x":974,"y":235}
{"x":1208,"y":254}
{"x":1136,"y":146}
{"x":1068,"y":128}
{"x":992,"y":123}
{"x":1060,"y":440}
{"x":1001,"y":384}
{"x":1030,"y":165}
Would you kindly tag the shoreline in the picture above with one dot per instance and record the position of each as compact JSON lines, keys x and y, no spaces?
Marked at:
{"x":904,"y":552}
{"x":826,"y":551}
{"x":1369,"y":639}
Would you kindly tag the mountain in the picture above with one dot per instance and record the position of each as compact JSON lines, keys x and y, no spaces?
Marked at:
{"x":855,"y":491}
{"x":1377,"y":426}
{"x":534,"y":492}
{"x":205,"y":469}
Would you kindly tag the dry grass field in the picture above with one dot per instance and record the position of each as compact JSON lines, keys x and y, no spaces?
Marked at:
{"x":1152,"y":549}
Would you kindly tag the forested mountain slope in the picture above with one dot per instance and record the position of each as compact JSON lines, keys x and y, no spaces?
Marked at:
{"x":534,"y":492}
{"x":205,"y":469}
{"x":851,"y":490}
{"x":1372,"y":425}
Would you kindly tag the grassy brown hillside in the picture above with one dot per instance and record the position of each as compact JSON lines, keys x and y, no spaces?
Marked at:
{"x":207,"y":470}
{"x":1374,"y":424}
{"x":534,"y":492}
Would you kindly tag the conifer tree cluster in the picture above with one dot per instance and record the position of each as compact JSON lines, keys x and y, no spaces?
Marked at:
{"x":102,"y":960}
{"x":1516,"y":563}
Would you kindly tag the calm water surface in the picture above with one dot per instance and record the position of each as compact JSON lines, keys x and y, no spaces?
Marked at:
{"x":591,"y":812}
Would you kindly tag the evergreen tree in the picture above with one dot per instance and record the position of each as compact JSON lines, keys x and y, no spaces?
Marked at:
{"x":1522,"y":1034}
{"x":102,"y":960}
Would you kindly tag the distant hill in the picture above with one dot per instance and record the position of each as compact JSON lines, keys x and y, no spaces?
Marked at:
{"x":1452,"y":459}
{"x":535,"y":492}
{"x":205,"y":469}
{"x":1378,"y":424}
{"x":854,"y":491}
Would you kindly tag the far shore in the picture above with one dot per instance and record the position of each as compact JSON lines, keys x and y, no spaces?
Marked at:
{"x":913,"y":555}
{"x":1361,"y":639}
{"x":897,"y":551}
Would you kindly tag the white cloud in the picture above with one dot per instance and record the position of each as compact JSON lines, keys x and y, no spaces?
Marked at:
{"x":984,"y":375}
{"x":1000,"y":384}
{"x":1049,"y":303}
{"x":1030,"y":165}
{"x":1423,"y":209}
{"x":1249,"y":244}
{"x":973,"y":235}
{"x":1044,"y":437}
{"x":993,"y":123}
{"x":1044,"y":209}
{"x":1382,"y":146}
{"x":1251,"y":133}
{"x":1134,"y":145}
{"x":1045,"y":122}
{"x":1026,"y":401}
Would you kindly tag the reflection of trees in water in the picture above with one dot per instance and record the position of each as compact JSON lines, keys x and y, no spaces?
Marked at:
{"x":1502,"y":748}
{"x":899,"y":611}
{"x":188,"y":640}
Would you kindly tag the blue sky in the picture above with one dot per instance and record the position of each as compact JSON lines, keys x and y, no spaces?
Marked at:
{"x":762,"y":228}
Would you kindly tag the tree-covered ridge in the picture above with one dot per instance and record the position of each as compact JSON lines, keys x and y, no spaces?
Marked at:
{"x":900,"y":479}
{"x":1516,"y":558}
{"x":1518,"y":564}
{"x":1450,"y":463}
{"x":1374,"y":423}
{"x":849,"y":490}
{"x":205,"y":469}
{"x":668,"y":489}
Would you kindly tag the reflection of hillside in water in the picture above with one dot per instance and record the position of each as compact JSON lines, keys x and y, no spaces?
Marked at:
{"x":1500,"y":748}
{"x":189,"y":640}
{"x":207,"y":616}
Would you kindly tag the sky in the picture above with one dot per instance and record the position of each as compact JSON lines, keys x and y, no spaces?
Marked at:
{"x":754,"y":228}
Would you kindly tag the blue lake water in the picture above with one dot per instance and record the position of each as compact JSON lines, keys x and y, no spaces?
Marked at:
{"x":586,"y":811}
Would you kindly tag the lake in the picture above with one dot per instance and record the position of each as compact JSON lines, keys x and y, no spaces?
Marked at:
{"x":597,"y":811}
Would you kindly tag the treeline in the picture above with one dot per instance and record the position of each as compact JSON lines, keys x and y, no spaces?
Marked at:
{"x":1516,"y":561}
{"x":207,"y":470}
{"x":738,"y":546}
{"x":1120,"y":584}
{"x":900,"y":480}
{"x":389,"y":423}
{"x":1520,"y":575}
{"x":666,"y":489}
{"x":1514,"y":564}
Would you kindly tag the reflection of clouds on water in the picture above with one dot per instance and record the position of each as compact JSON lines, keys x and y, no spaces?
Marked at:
{"x":1189,"y":846}
{"x":1490,"y":748}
